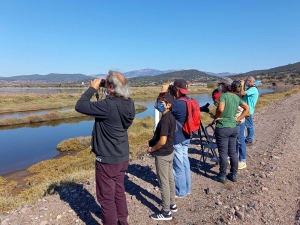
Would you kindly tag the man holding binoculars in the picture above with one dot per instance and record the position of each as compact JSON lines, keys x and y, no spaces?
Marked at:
{"x":113,"y":116}
{"x":250,"y":96}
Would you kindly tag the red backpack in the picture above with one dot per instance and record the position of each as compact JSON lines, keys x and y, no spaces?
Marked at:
{"x":192,"y":122}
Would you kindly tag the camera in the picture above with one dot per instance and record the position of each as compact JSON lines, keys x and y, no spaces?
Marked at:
{"x":102,"y":83}
{"x":205,"y":108}
{"x":237,"y":82}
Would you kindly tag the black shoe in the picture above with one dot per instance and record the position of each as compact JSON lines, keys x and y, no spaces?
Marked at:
{"x":173,"y":208}
{"x":221,"y":179}
{"x":162,"y":216}
{"x":232,"y":177}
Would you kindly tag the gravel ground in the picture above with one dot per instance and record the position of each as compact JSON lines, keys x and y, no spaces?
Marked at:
{"x":267,"y":192}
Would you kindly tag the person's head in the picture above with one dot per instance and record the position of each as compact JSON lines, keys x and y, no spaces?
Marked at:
{"x":181,"y":87}
{"x":216,"y":94}
{"x":222,"y":85}
{"x":164,"y":102}
{"x":250,"y":81}
{"x":233,"y":88}
{"x":116,"y":84}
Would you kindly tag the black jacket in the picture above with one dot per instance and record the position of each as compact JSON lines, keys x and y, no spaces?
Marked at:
{"x":113,"y":116}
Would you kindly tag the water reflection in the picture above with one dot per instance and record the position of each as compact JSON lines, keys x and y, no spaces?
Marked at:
{"x":23,"y":147}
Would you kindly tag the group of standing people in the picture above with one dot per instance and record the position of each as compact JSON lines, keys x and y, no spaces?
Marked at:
{"x":115,"y":114}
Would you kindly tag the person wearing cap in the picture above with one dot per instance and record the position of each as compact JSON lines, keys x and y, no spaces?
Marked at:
{"x":250,"y":97}
{"x":226,"y":131}
{"x":181,"y":163}
{"x":162,"y":146}
{"x":222,"y":84}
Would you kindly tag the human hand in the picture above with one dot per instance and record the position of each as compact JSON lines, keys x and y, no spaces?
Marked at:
{"x":165,"y":87}
{"x":149,"y":150}
{"x":95,"y":83}
{"x":242,"y":82}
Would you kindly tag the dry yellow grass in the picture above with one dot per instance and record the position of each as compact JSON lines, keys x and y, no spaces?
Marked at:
{"x":50,"y":116}
{"x":35,"y":102}
{"x":74,"y":144}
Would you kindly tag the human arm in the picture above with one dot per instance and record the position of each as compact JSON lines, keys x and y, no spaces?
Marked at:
{"x":242,"y":89}
{"x":219,"y":110}
{"x":244,"y":113}
{"x":85,"y":106}
{"x":161,"y":142}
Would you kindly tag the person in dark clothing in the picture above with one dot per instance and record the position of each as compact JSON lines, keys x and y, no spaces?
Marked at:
{"x":113,"y":116}
{"x":162,"y":146}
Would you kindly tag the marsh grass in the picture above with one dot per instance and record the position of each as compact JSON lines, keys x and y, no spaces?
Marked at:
{"x":74,"y":144}
{"x":151,"y":93}
{"x":50,"y":116}
{"x":10,"y":103}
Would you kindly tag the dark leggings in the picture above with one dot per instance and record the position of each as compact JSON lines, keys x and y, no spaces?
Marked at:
{"x":226,"y":141}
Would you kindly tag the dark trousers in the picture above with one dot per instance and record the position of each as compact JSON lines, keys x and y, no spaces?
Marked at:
{"x":226,"y":141}
{"x":110,"y":192}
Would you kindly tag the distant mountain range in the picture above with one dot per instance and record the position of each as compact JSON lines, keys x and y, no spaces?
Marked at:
{"x":139,"y":73}
{"x":153,"y":76}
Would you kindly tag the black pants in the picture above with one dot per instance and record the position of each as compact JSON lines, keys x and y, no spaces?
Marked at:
{"x":226,"y":141}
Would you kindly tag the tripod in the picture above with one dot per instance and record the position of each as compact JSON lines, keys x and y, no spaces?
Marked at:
{"x":207,"y":142}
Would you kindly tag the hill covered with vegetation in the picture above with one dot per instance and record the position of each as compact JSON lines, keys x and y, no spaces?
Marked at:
{"x":194,"y":76}
{"x":288,"y":74}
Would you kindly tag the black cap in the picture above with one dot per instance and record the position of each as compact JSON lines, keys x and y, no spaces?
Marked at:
{"x":182,"y":85}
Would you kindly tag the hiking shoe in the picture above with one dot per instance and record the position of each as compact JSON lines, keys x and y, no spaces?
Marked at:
{"x":162,"y":216}
{"x":215,"y":159}
{"x":178,"y":196}
{"x":242,"y":165}
{"x":232,"y":177}
{"x":173,"y":208}
{"x":221,"y":179}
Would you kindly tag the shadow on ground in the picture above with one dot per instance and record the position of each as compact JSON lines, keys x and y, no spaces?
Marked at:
{"x":145,"y":173}
{"x":81,"y":201}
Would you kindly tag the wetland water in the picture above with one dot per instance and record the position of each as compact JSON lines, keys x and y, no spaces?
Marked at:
{"x":24,"y":146}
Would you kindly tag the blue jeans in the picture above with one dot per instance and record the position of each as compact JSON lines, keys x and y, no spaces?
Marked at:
{"x":250,"y":128}
{"x":241,"y":144}
{"x":181,"y":169}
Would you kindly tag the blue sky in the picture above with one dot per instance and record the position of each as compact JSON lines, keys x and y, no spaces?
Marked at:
{"x":92,"y":37}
